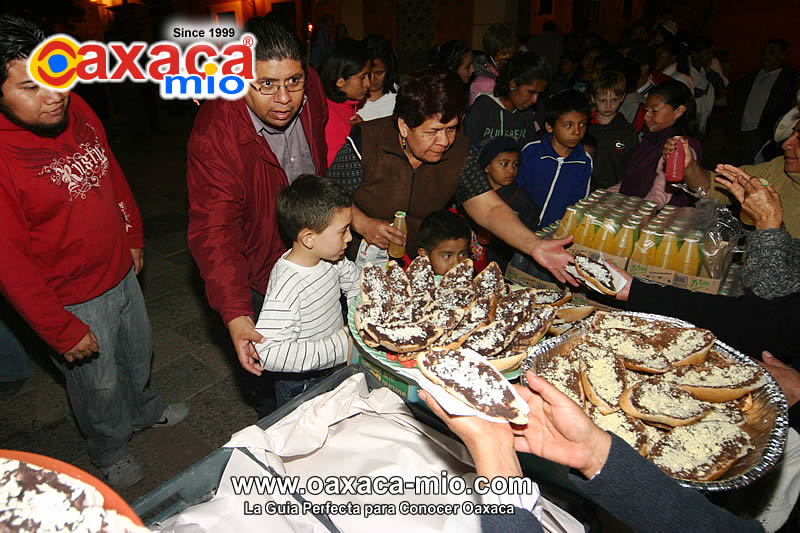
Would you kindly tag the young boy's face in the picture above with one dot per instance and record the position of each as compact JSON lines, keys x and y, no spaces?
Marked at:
{"x":503,"y":169}
{"x":607,"y":103}
{"x":331,"y":243}
{"x":568,"y":130}
{"x":447,"y":254}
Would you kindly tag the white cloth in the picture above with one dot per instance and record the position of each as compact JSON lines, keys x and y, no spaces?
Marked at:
{"x":757,"y":99}
{"x":352,"y":433}
{"x":301,"y":319}
{"x":382,"y":107}
{"x":672,"y":72}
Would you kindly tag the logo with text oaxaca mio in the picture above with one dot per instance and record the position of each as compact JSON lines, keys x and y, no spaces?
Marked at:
{"x":200,"y":70}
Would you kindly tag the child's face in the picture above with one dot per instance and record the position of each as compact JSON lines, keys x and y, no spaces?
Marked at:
{"x":568,"y":130}
{"x":503,"y":169}
{"x":526,"y":95}
{"x":448,"y":254}
{"x":607,"y":103}
{"x":331,"y":243}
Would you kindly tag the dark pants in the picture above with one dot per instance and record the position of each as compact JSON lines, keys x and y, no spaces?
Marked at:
{"x":259,"y":391}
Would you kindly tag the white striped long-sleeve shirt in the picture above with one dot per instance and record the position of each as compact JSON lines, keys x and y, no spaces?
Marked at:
{"x":301,"y":319}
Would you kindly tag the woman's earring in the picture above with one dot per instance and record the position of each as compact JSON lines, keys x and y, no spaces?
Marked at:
{"x":403,"y":142}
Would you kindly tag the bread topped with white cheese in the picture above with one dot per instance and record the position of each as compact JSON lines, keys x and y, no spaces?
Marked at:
{"x":635,"y":349}
{"x":700,"y":452}
{"x":661,"y":402}
{"x":603,"y":380}
{"x":490,"y":280}
{"x":421,"y":277}
{"x":474,"y":382}
{"x":629,"y":429}
{"x":404,"y":337}
{"x":717,"y":383}
{"x":459,"y":275}
{"x":595,"y":273}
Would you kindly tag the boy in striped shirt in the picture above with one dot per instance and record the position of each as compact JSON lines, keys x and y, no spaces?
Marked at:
{"x":304,"y":334}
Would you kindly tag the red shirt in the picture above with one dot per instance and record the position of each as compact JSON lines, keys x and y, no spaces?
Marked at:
{"x":234,"y":180}
{"x":68,"y":222}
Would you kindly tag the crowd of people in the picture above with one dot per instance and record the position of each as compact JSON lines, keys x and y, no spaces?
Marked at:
{"x":294,"y":186}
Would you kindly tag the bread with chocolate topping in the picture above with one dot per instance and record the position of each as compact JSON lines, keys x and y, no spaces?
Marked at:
{"x":474,"y":382}
{"x":685,"y":345}
{"x":375,"y":287}
{"x":629,"y":429}
{"x":491,"y":339}
{"x":603,"y":380}
{"x":722,"y":383}
{"x":661,"y":402}
{"x":421,"y":277}
{"x":595,"y":273}
{"x":398,"y":281}
{"x":534,"y":327}
{"x":405,"y":337}
{"x":479,"y":312}
{"x":564,"y":374}
{"x":459,"y":275}
{"x":635,"y":349}
{"x":700,"y":452}
{"x":554,"y":297}
{"x":490,"y":281}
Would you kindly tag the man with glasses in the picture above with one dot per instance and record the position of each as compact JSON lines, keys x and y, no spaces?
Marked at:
{"x":240,"y":155}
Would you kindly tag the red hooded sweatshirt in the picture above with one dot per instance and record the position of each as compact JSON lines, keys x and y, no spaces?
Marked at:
{"x":68,"y":219}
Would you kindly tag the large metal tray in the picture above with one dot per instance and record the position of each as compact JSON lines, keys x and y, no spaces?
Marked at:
{"x":767,"y":421}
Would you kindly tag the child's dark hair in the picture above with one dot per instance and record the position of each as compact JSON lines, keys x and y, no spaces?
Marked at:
{"x":346,"y":58}
{"x":441,"y":226}
{"x":523,"y":68}
{"x":310,"y":202}
{"x":563,"y":102}
{"x":675,"y":94}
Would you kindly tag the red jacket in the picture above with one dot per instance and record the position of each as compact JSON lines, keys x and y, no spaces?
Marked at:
{"x":338,"y":126}
{"x":234,"y":180}
{"x":68,"y":222}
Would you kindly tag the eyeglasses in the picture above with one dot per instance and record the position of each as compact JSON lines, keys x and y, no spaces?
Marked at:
{"x":293,"y":86}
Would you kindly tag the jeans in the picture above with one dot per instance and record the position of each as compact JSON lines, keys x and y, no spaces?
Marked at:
{"x":287,"y":389}
{"x":14,"y":364}
{"x":108,"y":392}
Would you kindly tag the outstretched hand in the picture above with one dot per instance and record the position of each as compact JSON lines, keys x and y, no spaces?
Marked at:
{"x":243,"y":334}
{"x":787,"y":377}
{"x":550,"y":254}
{"x":672,"y":144}
{"x":558,"y":430}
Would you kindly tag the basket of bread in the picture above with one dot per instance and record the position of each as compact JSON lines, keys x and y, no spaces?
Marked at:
{"x":703,"y":412}
{"x":401,"y":313}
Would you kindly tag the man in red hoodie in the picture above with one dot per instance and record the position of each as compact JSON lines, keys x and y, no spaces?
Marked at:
{"x":72,"y":245}
{"x":241,"y":154}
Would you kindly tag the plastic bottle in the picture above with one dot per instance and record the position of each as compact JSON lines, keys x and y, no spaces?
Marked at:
{"x":688,"y":261}
{"x":674,"y":171}
{"x":398,"y":250}
{"x":644,"y":251}
{"x":667,"y":250}
{"x":584,"y":233}
{"x":604,"y":237}
{"x":568,"y":223}
{"x":624,"y":240}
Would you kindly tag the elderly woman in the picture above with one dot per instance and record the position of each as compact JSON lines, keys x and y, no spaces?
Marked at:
{"x":415,"y":161}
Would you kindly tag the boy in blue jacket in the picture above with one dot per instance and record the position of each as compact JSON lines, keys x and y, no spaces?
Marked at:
{"x":556,"y":171}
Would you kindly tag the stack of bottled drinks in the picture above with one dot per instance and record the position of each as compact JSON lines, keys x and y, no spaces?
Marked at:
{"x":628,"y":227}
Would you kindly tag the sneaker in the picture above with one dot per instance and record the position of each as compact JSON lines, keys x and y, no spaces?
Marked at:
{"x":124,"y":473}
{"x":173,"y":413}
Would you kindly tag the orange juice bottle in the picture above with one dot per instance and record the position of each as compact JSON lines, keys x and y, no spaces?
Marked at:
{"x":667,"y":250}
{"x":644,"y":251}
{"x":604,"y":238}
{"x":688,"y":260}
{"x":584,"y":233}
{"x":398,"y":250}
{"x":623,"y":242}
{"x":568,"y":223}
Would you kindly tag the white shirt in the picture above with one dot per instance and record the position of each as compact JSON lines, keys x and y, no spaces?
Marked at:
{"x":382,"y":107}
{"x":301,"y":319}
{"x":757,"y":99}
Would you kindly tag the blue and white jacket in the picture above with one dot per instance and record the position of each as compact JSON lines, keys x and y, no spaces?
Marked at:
{"x":554,"y":182}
